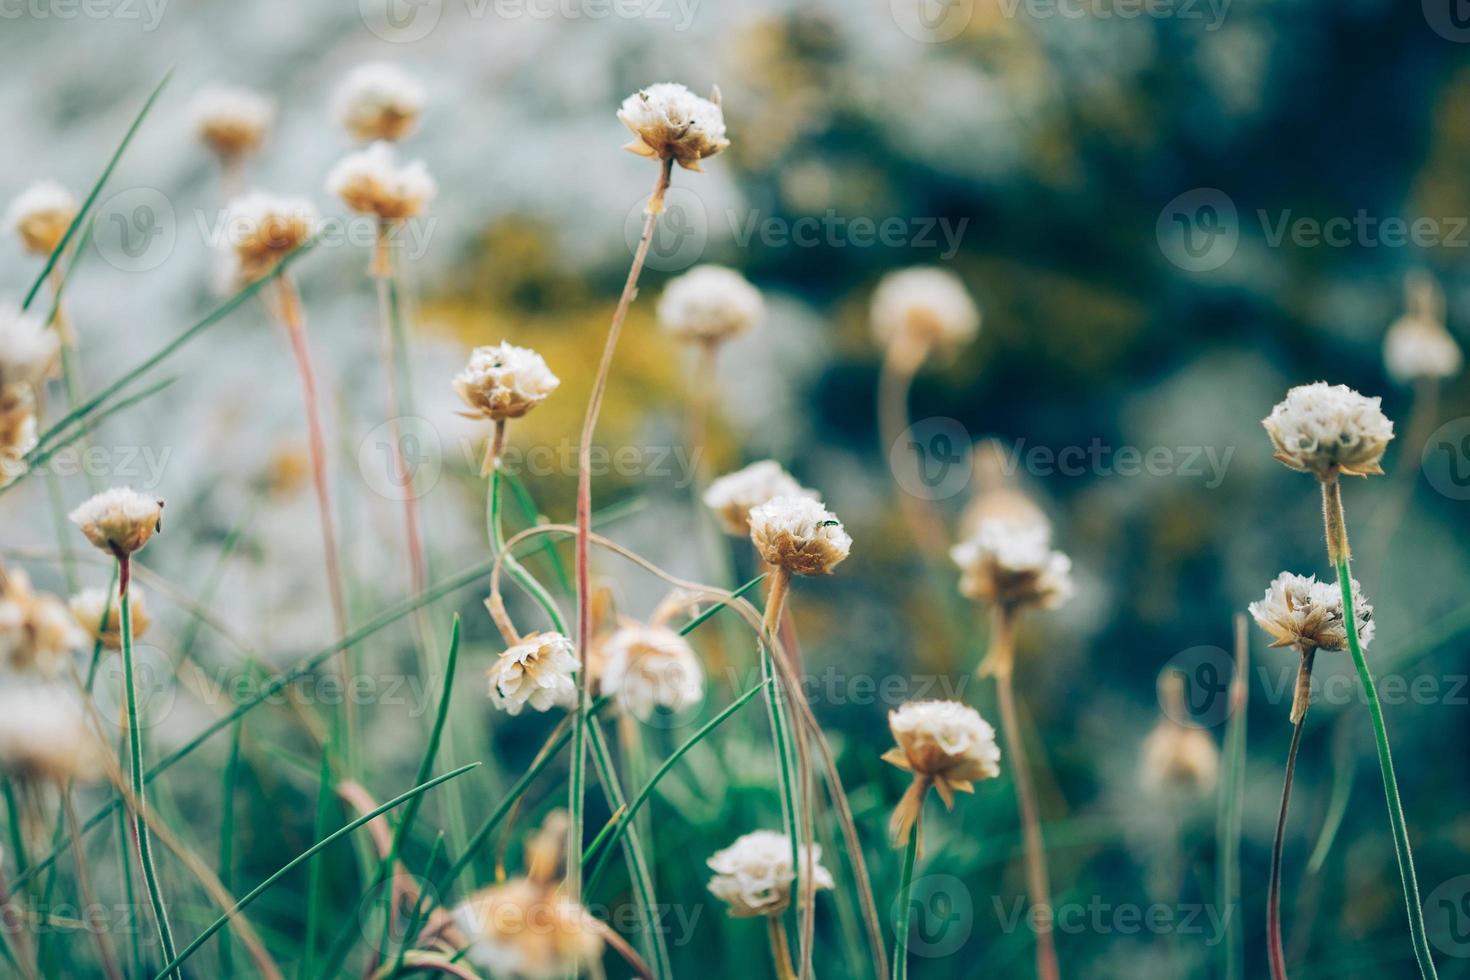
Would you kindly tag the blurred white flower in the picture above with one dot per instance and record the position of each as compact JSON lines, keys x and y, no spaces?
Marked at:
{"x":371,"y":181}
{"x":119,"y":521}
{"x":44,"y":735}
{"x":924,"y":306}
{"x":18,"y":431}
{"x":28,"y":348}
{"x":754,"y":875}
{"x":40,"y":216}
{"x":709,"y":304}
{"x":1416,"y":347}
{"x":733,"y":495}
{"x":799,"y":535}
{"x":1180,"y":758}
{"x":1329,"y":429}
{"x":379,"y":101}
{"x":264,"y":228}
{"x":1011,"y":564}
{"x":504,"y":381}
{"x":90,"y":606}
{"x":648,"y":667}
{"x":672,"y":122}
{"x":37,"y":632}
{"x":537,"y":671}
{"x":232,"y":121}
{"x":1300,"y":612}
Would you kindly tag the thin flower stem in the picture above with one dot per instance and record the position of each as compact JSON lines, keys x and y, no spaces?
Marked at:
{"x":1001,"y":656}
{"x":1276,"y":953}
{"x":84,"y":883}
{"x":577,"y":787}
{"x":1338,"y":550}
{"x":780,"y":948}
{"x":135,"y":763}
{"x":1231,"y":807}
{"x":903,"y":920}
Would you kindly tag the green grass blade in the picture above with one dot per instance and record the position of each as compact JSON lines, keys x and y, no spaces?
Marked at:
{"x":1231,"y":805}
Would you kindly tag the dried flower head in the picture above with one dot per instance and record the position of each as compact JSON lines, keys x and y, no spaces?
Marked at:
{"x":946,"y":745}
{"x":924,"y":306}
{"x":798,"y":534}
{"x":709,"y":304}
{"x":28,"y":348}
{"x":1300,"y":612}
{"x":997,"y":497}
{"x":753,"y":876}
{"x":100,"y":614}
{"x":672,"y":123}
{"x":524,"y":929}
{"x":379,"y":101}
{"x":120,"y":520}
{"x":40,"y":216}
{"x":649,"y":667}
{"x":1011,"y":564}
{"x":232,"y":121}
{"x":1180,"y":758}
{"x":371,"y":181}
{"x":37,"y":633}
{"x":265,"y":228}
{"x":1329,"y":429}
{"x":18,"y":431}
{"x":44,"y":735}
{"x":536,"y":671}
{"x":1418,"y":347}
{"x":504,"y":382}
{"x":734,"y":495}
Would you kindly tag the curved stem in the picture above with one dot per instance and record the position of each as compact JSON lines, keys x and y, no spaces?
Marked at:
{"x":1276,"y":953}
{"x":1338,"y":551}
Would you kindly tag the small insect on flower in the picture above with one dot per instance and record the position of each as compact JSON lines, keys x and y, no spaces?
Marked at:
{"x":1302,"y":613}
{"x":925,"y":307}
{"x":44,"y":736}
{"x":946,"y":745}
{"x":379,"y":101}
{"x":504,"y":381}
{"x":672,"y":123}
{"x":753,"y":876}
{"x":40,"y":216}
{"x":119,"y":521}
{"x":1327,"y":429}
{"x":709,"y":304}
{"x":650,"y":667}
{"x":734,"y":495}
{"x":538,"y":671}
{"x":37,"y":633}
{"x":1011,"y":564}
{"x":371,"y":181}
{"x":230,"y":120}
{"x":264,"y":228}
{"x":799,"y":534}
{"x":101,"y":615}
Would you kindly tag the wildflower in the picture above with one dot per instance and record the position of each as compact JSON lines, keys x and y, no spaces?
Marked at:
{"x":946,"y":745}
{"x":672,"y":123}
{"x":119,"y":521}
{"x":1300,"y":612}
{"x":264,"y":229}
{"x":649,"y":667}
{"x":709,"y":304}
{"x":37,"y":633}
{"x":799,"y":535}
{"x":1329,"y":429}
{"x":371,"y":181}
{"x":997,"y":496}
{"x":753,"y":876}
{"x":504,"y":382}
{"x":44,"y":735}
{"x":18,"y":432}
{"x":536,"y":671}
{"x":733,"y":495}
{"x":379,"y":101}
{"x":925,"y":307}
{"x":1010,"y":564}
{"x":1416,"y":347}
{"x":231,"y":121}
{"x":1176,"y":756}
{"x":40,"y":216}
{"x":28,"y":348}
{"x":100,"y":614}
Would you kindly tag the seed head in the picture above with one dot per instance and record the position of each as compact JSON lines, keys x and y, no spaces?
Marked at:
{"x":28,"y":348}
{"x":709,"y":304}
{"x":525,"y":930}
{"x":232,"y":121}
{"x":1300,"y":612}
{"x":799,"y":534}
{"x":1011,"y":564}
{"x":733,"y":495}
{"x":648,"y":667}
{"x":379,"y":101}
{"x":18,"y":432}
{"x":44,"y":735}
{"x":372,"y":182}
{"x":37,"y":633}
{"x":1180,"y":758}
{"x":753,"y":876}
{"x":926,"y":306}
{"x":1329,"y":429}
{"x":264,"y":229}
{"x":40,"y":216}
{"x":672,"y":123}
{"x":504,"y":382}
{"x":536,"y":671}
{"x":120,"y":520}
{"x":89,"y":607}
{"x":946,"y":745}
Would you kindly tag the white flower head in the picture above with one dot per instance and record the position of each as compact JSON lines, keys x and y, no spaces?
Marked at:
{"x":650,"y":667}
{"x":754,"y":875}
{"x":99,"y":613}
{"x":232,"y":121}
{"x":1329,"y":429}
{"x":28,"y":348}
{"x":504,"y":381}
{"x":44,"y":735}
{"x":733,"y":495}
{"x":379,"y":101}
{"x":119,"y":521}
{"x":525,"y":930}
{"x":799,"y":534}
{"x":709,"y":304}
{"x":40,"y":216}
{"x":264,"y":228}
{"x":943,"y":739}
{"x":672,"y":123}
{"x":18,"y":431}
{"x":37,"y":633}
{"x":924,"y":305}
{"x":1300,"y":612}
{"x":1180,"y":758}
{"x":537,"y":671}
{"x":1011,"y":563}
{"x":371,"y":181}
{"x":1417,"y":347}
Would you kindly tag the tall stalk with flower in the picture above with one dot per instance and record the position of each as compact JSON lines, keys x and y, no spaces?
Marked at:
{"x":1331,"y":431}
